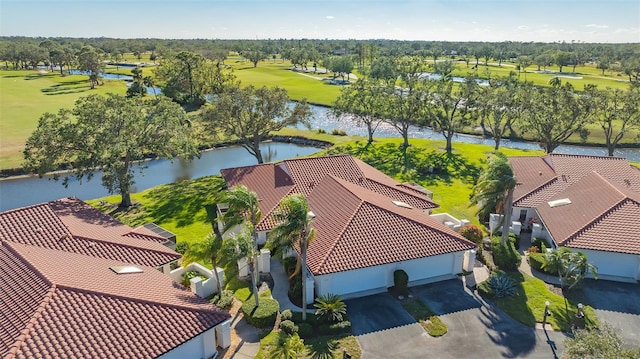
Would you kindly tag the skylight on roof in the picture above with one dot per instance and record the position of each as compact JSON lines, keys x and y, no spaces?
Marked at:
{"x":402,"y":204}
{"x":559,"y":202}
{"x":126,"y":269}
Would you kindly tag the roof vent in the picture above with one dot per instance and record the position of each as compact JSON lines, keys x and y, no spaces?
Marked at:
{"x":126,"y":269}
{"x":559,"y":202}
{"x":402,"y":204}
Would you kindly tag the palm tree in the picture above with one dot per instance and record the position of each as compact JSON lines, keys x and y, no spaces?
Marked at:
{"x":494,"y":190}
{"x":572,"y":267}
{"x":288,"y":347}
{"x":330,"y":307}
{"x":240,"y":245}
{"x":294,"y":230}
{"x":243,"y":207}
{"x":207,"y":248}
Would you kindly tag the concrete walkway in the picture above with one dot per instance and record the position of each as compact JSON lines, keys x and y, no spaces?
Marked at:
{"x":525,"y":243}
{"x":280,"y":291}
{"x":249,"y":338}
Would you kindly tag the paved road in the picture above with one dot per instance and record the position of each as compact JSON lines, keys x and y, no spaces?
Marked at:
{"x":476,"y":330}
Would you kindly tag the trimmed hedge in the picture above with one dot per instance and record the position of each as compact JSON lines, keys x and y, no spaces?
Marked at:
{"x":505,"y":257}
{"x":263,"y":316}
{"x":286,"y":314}
{"x":435,"y":327}
{"x":540,"y":243}
{"x":485,"y":289}
{"x":537,"y":260}
{"x":401,"y":280}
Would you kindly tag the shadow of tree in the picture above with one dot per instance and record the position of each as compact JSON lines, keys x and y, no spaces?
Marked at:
{"x":67,"y":87}
{"x":184,"y":201}
{"x":321,"y":349}
{"x":422,"y":167}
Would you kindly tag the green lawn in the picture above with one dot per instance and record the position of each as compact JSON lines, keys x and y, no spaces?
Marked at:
{"x":527,"y":306}
{"x":28,"y":94}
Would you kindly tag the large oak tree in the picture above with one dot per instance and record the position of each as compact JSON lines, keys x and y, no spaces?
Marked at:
{"x":250,"y":114}
{"x":108,"y":133}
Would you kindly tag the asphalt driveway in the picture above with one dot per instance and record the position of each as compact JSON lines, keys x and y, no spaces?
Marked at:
{"x":616,"y":303}
{"x":476,"y":330}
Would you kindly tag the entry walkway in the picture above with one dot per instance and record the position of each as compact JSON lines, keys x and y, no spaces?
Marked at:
{"x":280,"y":291}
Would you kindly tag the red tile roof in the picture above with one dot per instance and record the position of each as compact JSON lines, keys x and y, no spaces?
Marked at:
{"x":73,"y":226}
{"x":603,"y":215}
{"x":358,"y":228}
{"x":272,"y":182}
{"x":541,"y":178}
{"x":67,"y":305}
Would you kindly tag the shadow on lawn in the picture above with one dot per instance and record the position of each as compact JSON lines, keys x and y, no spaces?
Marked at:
{"x":424,"y":167}
{"x":183,"y":201}
{"x":67,"y":87}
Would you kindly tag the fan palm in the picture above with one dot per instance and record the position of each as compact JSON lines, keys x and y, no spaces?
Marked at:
{"x":294,"y":230}
{"x":288,"y":347}
{"x":330,"y":307}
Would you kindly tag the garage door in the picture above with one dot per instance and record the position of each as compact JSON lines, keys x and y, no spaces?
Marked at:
{"x":614,"y":264}
{"x":429,"y":267}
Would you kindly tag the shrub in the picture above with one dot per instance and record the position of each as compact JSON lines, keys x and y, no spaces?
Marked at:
{"x":262,"y":316}
{"x":472,"y":233}
{"x":295,"y":288}
{"x":321,"y":130}
{"x":540,"y":243}
{"x":286,"y":314}
{"x":435,"y":327}
{"x":485,"y":289}
{"x":533,"y":249}
{"x":305,"y":330}
{"x":338,"y":132}
{"x":505,"y":257}
{"x":224,"y":301}
{"x":536,"y":260}
{"x":401,"y":280}
{"x":288,"y":327}
{"x":186,"y":277}
{"x":501,"y":285}
{"x":182,"y":247}
{"x":330,"y":307}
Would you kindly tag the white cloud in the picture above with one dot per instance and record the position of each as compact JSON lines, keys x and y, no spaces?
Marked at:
{"x":597,"y":26}
{"x":523,"y":27}
{"x":329,"y":17}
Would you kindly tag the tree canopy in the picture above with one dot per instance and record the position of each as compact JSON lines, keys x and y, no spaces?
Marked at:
{"x":250,"y":114}
{"x":107,"y":134}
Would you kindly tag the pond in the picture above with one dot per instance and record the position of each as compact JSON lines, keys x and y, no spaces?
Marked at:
{"x":24,"y":191}
{"x":323,"y":119}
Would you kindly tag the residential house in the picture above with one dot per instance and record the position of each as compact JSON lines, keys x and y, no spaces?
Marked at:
{"x":586,"y":203}
{"x":368,"y":225}
{"x":76,"y":283}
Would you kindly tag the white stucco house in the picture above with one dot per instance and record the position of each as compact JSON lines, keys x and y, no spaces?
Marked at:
{"x":368,"y":225}
{"x":76,"y":283}
{"x":586,"y":203}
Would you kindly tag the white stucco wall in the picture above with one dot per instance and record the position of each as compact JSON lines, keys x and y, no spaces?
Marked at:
{"x":370,"y":280}
{"x":202,"y":346}
{"x":614,"y":264}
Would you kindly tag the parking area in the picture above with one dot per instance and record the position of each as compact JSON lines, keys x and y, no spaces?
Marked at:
{"x":476,"y":330}
{"x":615,"y":303}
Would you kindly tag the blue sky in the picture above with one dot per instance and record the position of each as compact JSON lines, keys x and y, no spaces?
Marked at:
{"x":453,"y":20}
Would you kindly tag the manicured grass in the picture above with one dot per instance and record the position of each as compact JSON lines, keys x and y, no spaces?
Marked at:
{"x":451,"y":188}
{"x":178,"y":207}
{"x":527,"y":306}
{"x":27,"y":94}
{"x":420,"y":312}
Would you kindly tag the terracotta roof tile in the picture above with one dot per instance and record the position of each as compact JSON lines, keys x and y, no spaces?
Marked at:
{"x":72,"y":225}
{"x":598,"y":217}
{"x":540,"y":178}
{"x":360,"y":228}
{"x":272,"y":182}
{"x":86,"y":310}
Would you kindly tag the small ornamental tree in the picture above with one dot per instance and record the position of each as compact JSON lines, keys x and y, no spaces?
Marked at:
{"x":472,"y":233}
